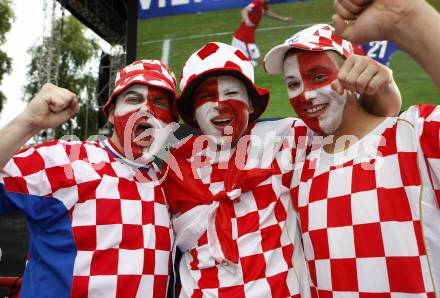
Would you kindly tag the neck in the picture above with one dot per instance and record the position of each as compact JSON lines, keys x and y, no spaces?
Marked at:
{"x":356,"y":123}
{"x":117,"y":144}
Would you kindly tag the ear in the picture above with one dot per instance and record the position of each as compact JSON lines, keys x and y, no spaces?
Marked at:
{"x":251,"y":107}
{"x":111,"y":114}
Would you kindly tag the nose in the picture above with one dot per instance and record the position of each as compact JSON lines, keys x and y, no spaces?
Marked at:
{"x":147,"y":108}
{"x":310,"y":95}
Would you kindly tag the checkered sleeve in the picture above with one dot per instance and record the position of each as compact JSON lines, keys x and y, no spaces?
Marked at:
{"x":35,"y":173}
{"x":426,"y":119}
{"x":300,"y":143}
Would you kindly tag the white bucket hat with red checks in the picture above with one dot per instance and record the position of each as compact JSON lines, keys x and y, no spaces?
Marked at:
{"x":145,"y":72}
{"x":320,"y":37}
{"x":217,"y":58}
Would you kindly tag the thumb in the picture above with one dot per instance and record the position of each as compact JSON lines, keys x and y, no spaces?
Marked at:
{"x":337,"y":86}
{"x":344,"y":30}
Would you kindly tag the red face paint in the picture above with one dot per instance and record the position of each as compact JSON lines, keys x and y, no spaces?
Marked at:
{"x":158,"y":104}
{"x":311,"y":71}
{"x":139,"y":108}
{"x":221,"y":103}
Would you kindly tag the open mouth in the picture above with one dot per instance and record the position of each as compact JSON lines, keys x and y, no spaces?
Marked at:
{"x":143,"y":134}
{"x":316,"y":110}
{"x":221,"y":122}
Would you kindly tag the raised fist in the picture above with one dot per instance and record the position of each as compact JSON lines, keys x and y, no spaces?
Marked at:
{"x":361,"y":74}
{"x":50,"y":107}
{"x":374,"y":19}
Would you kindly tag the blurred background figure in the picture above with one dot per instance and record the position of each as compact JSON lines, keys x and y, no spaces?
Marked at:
{"x":244,"y":36}
{"x":379,"y":50}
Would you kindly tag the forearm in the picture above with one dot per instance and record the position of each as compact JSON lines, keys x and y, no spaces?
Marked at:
{"x":418,"y":36}
{"x":385,"y":103}
{"x":13,"y":136}
{"x":270,"y":13}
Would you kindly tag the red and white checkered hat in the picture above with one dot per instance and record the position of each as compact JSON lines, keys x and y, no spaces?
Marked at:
{"x":145,"y":72}
{"x":217,"y":58}
{"x":321,"y":37}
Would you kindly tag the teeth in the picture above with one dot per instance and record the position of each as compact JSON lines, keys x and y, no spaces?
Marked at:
{"x":221,"y":121}
{"x":316,"y":108}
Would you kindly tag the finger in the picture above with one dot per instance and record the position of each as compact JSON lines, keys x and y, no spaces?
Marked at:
{"x":343,"y":29}
{"x":365,"y":78}
{"x":60,"y":99}
{"x":382,"y":78}
{"x":343,"y":11}
{"x":68,"y":112}
{"x":352,"y":78}
{"x":352,"y":6}
{"x":344,"y":71}
{"x":337,"y":86}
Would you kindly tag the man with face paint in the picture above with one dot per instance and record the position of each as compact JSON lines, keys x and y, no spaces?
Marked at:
{"x":362,"y":191}
{"x":98,"y":220}
{"x":232,"y":212}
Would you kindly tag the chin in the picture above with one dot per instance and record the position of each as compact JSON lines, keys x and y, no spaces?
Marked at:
{"x":332,"y":118}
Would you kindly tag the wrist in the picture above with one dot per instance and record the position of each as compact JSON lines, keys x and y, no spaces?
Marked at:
{"x":413,"y":22}
{"x":26,"y":123}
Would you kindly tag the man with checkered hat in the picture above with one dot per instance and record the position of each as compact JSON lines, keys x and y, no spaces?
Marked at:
{"x":98,"y":221}
{"x":232,"y":212}
{"x":368,"y":194}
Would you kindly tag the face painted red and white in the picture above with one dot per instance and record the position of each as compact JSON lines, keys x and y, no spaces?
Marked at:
{"x":221,"y":108}
{"x":308,"y":77}
{"x":140,"y":117}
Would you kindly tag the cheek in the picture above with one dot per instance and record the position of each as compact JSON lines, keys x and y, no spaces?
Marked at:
{"x":307,"y":61}
{"x":165,"y":115}
{"x":162,"y":113}
{"x":312,"y":122}
{"x":205,"y":112}
{"x":120,"y":122}
{"x":240,"y":112}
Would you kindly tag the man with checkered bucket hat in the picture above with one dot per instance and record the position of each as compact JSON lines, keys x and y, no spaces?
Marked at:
{"x":362,"y":190}
{"x":231,"y":206}
{"x":98,"y":220}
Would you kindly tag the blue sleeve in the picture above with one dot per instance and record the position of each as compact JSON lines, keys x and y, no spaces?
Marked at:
{"x":6,"y":205}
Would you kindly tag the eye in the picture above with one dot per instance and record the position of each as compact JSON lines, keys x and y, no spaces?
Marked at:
{"x":160,"y":102}
{"x":133,"y":100}
{"x":232,"y":93}
{"x":319,"y":77}
{"x":204,"y":96}
{"x":293,"y":84}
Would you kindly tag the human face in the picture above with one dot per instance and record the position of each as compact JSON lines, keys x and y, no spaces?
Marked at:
{"x":140,"y":116}
{"x":221,"y":108}
{"x":308,"y":77}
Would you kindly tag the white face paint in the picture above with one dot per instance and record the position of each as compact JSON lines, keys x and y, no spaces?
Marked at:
{"x":132,"y":99}
{"x":331,"y":119}
{"x":308,"y":80}
{"x":222,"y":108}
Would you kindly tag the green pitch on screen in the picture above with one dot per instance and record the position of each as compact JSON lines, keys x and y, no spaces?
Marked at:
{"x":187,"y":33}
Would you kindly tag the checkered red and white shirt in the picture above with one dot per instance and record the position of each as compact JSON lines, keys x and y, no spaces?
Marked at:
{"x":370,"y":215}
{"x":269,"y":261}
{"x":98,"y":226}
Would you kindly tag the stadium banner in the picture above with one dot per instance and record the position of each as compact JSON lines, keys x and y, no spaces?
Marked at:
{"x":160,"y":8}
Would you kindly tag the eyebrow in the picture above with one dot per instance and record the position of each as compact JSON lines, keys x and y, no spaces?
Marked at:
{"x":290,"y":77}
{"x":316,"y":68}
{"x":135,"y":93}
{"x":231,"y":88}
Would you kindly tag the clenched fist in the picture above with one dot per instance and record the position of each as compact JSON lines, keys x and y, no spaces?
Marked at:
{"x":50,"y":107}
{"x":374,"y":19}
{"x":361,"y":74}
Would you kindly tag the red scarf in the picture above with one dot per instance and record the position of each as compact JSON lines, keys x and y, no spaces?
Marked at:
{"x":189,"y":192}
